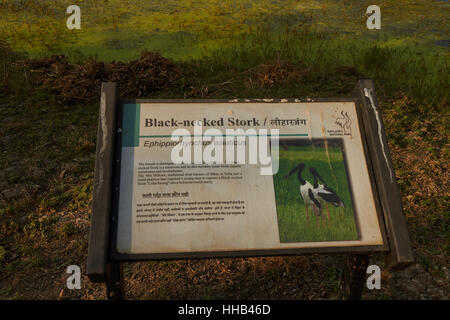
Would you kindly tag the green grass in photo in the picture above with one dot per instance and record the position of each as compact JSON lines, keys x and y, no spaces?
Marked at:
{"x":291,"y":210}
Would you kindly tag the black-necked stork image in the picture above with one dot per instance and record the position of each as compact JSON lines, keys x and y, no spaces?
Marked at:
{"x":306,"y":192}
{"x":324,"y":193}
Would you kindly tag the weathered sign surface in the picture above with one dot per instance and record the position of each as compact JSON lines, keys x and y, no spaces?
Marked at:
{"x":321,"y":197}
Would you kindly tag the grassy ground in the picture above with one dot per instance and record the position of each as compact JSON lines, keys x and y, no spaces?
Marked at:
{"x":180,"y":29}
{"x":402,"y":56}
{"x":47,"y":163}
{"x":293,"y":224}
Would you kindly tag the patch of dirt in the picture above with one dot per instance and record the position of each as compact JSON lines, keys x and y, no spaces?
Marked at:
{"x":279,"y":72}
{"x":268,"y":75}
{"x":77,"y":83}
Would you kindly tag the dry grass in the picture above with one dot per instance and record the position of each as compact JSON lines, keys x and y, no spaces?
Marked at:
{"x":80,"y":82}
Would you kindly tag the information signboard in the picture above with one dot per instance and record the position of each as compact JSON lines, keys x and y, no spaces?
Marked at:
{"x":222,"y":178}
{"x":321,"y":197}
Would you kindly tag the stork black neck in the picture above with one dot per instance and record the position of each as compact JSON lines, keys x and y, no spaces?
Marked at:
{"x":299,"y":176}
{"x":299,"y":168}
{"x":316,"y":182}
{"x":316,"y":176}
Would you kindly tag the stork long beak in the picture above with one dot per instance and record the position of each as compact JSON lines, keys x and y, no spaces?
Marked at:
{"x":294,"y":170}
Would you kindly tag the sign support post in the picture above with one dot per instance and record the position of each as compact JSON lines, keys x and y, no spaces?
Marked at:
{"x":353,"y":277}
{"x":99,"y":267}
{"x":400,"y":254}
{"x":114,"y":281}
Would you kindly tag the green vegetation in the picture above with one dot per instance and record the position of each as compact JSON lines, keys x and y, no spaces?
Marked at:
{"x":293,"y":224}
{"x":397,"y":70}
{"x":240,"y":35}
{"x":121,"y":29}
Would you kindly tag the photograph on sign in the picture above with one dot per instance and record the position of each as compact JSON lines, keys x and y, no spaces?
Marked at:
{"x":181,"y":191}
{"x":326,"y":212}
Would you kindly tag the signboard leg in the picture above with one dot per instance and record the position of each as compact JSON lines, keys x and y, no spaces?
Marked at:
{"x":401,"y":254}
{"x":99,"y":234}
{"x":114,"y":281}
{"x":353,"y":277}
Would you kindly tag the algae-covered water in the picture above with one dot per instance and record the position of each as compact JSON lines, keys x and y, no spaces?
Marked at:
{"x":183,"y":29}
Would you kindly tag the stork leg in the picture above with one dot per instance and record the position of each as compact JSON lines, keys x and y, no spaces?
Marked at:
{"x":328,"y":213}
{"x":307,"y":215}
{"x":315,"y":211}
